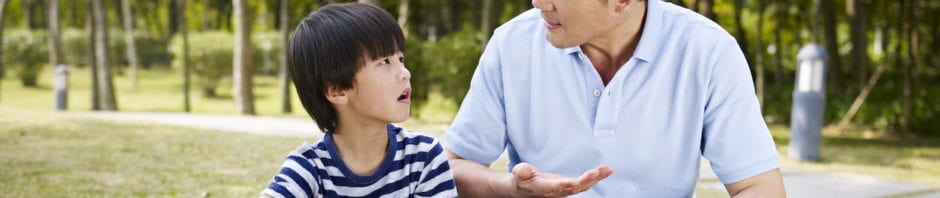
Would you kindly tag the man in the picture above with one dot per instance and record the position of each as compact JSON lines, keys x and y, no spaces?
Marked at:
{"x":611,"y":98}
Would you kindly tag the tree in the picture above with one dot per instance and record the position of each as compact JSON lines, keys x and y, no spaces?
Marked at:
{"x":95,"y":87}
{"x":779,"y":11}
{"x":856,"y":10}
{"x":826,"y":15}
{"x":3,"y":12}
{"x":129,"y":40}
{"x":242,"y":72}
{"x":403,"y":17}
{"x":55,"y":44}
{"x":283,"y":76}
{"x":759,"y":54}
{"x":709,"y":10}
{"x":184,"y":31}
{"x":101,"y":55}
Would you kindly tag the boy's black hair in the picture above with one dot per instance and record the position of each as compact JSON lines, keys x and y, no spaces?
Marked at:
{"x":330,"y":45}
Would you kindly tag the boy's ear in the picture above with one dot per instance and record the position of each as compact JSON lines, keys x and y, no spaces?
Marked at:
{"x":336,"y":95}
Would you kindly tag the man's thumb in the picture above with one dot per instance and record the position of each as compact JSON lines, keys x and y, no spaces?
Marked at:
{"x":524,"y":171}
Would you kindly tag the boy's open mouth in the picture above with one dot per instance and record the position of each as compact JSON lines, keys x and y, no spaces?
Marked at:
{"x":405,"y":96}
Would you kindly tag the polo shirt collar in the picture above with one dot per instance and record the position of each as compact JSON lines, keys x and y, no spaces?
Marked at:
{"x":652,"y":30}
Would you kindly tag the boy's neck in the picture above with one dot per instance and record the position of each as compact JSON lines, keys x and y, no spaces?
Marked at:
{"x":361,"y":146}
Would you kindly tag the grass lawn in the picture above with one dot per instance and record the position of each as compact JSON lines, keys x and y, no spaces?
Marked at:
{"x":159,"y":89}
{"x":867,"y":153}
{"x":47,"y":154}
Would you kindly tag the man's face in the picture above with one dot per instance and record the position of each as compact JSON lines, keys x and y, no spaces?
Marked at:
{"x":575,"y":22}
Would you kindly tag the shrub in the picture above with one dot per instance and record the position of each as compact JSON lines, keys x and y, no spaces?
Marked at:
{"x":25,"y":51}
{"x":210,"y":57}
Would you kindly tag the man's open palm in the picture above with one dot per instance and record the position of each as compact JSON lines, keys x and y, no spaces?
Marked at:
{"x":535,"y":183}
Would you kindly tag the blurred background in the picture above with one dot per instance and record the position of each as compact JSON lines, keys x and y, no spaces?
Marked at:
{"x":147,"y":91}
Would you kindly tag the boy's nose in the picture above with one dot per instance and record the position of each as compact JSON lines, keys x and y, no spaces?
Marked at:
{"x":405,"y":73}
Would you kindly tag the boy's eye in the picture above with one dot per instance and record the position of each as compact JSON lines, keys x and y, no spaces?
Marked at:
{"x":401,"y":59}
{"x":385,"y":61}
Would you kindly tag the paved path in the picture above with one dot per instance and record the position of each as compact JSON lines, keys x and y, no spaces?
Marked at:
{"x":798,"y":183}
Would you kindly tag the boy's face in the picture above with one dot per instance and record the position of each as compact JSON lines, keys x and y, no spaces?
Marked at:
{"x":382,"y":90}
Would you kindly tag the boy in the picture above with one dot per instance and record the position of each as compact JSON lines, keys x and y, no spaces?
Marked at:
{"x":347,"y":64}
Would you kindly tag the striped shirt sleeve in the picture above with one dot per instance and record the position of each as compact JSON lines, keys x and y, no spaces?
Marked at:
{"x":436,"y":177}
{"x":295,"y":178}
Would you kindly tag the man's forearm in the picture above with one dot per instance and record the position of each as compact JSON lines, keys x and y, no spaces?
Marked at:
{"x":476,"y":180}
{"x":767,"y":184}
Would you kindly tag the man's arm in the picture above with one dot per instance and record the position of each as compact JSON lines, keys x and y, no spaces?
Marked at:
{"x":477,"y":180}
{"x":767,"y":184}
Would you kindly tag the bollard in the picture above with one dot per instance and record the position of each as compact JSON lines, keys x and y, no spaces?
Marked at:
{"x":809,"y":103}
{"x":60,"y":87}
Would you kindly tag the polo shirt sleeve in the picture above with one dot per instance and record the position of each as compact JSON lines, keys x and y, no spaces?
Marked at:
{"x":478,"y":132}
{"x":735,"y":138}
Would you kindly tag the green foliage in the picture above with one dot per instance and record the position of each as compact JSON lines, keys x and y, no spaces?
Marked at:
{"x":26,"y":51}
{"x":210,"y":57}
{"x":444,"y":66}
{"x":151,"y":50}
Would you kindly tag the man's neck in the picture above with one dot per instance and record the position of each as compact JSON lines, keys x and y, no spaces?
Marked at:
{"x":613,"y":49}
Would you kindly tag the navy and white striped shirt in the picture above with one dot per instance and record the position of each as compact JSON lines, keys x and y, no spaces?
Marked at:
{"x":415,"y":166}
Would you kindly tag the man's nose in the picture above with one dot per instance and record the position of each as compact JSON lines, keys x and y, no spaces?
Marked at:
{"x":543,"y":5}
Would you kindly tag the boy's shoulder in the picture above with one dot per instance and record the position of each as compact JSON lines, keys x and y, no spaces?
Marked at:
{"x":414,"y":141}
{"x":310,"y":151}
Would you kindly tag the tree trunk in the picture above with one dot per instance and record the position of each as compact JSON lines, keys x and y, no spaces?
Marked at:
{"x":3,"y":11}
{"x":283,"y":72}
{"x":759,"y":54}
{"x":55,"y":41}
{"x":101,"y":55}
{"x":909,"y":69}
{"x":373,"y":2}
{"x":129,"y":40}
{"x":695,"y":5}
{"x":93,"y":63}
{"x":184,"y":31}
{"x":403,"y":17}
{"x":27,"y":13}
{"x":486,"y":20}
{"x":206,"y":20}
{"x":778,"y":65}
{"x":172,"y":19}
{"x":832,"y":46}
{"x":856,"y":11}
{"x":242,"y":72}
{"x":899,"y":62}
{"x":739,"y":26}
{"x":709,"y":10}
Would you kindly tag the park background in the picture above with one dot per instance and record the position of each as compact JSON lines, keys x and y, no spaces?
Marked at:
{"x":232,"y":51}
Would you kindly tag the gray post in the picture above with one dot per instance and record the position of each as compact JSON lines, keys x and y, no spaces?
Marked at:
{"x":60,"y":87}
{"x":809,"y":103}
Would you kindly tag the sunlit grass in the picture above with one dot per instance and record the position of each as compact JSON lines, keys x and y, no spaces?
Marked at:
{"x":159,"y":89}
{"x":48,"y":154}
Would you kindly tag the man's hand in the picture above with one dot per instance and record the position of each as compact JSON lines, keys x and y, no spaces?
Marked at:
{"x":534,"y":183}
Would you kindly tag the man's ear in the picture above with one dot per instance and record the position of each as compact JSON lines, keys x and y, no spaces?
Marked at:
{"x":336,"y":95}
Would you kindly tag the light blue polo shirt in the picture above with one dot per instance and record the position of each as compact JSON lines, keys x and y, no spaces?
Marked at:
{"x":686,"y":93}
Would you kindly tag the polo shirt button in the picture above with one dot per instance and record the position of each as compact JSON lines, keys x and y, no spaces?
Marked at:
{"x":597,"y":92}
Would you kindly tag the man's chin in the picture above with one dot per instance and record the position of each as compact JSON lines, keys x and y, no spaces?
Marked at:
{"x":560,"y":43}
